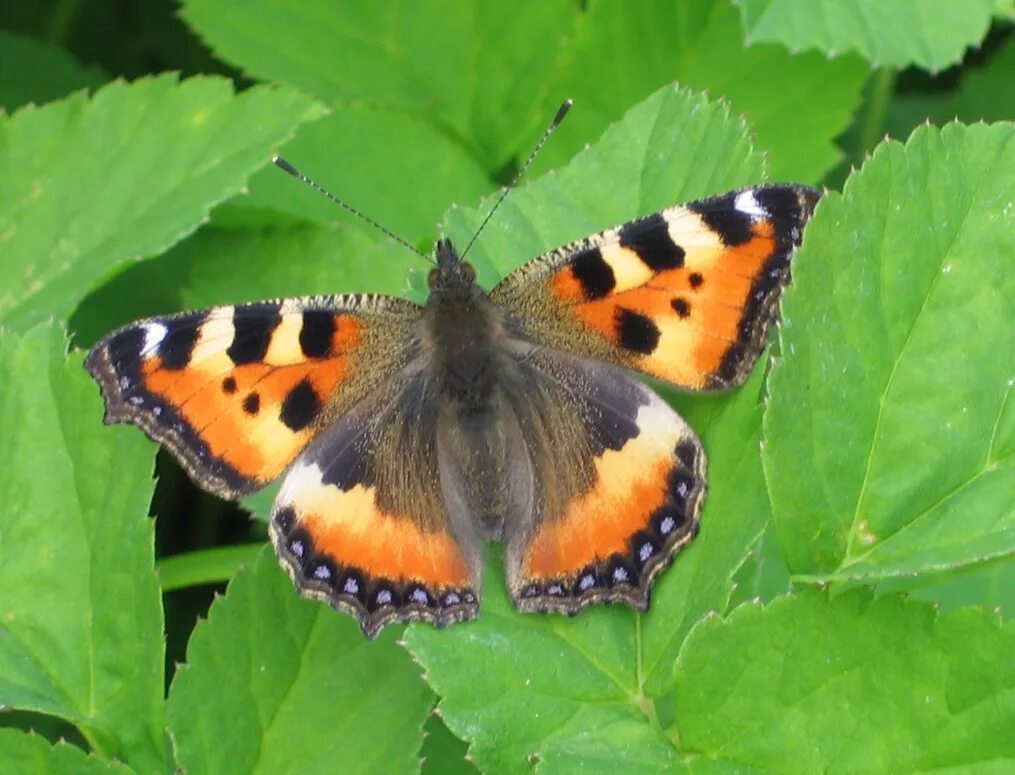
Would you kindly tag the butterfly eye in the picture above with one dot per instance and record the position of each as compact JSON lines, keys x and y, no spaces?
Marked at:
{"x":469,"y":272}
{"x":431,"y":278}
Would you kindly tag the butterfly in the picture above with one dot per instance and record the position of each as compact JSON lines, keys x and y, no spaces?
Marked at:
{"x":407,"y":435}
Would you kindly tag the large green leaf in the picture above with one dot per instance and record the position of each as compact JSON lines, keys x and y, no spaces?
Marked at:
{"x":474,"y":69}
{"x":80,"y":616}
{"x":890,"y":431}
{"x":897,"y":33}
{"x":797,"y":104}
{"x":275,"y":683}
{"x":808,"y":684}
{"x":397,"y":168}
{"x":90,"y":184}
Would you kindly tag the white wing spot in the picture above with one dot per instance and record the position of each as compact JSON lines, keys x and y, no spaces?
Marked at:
{"x":419,"y":596}
{"x":154,"y":333}
{"x":747,"y":204}
{"x":351,"y":587}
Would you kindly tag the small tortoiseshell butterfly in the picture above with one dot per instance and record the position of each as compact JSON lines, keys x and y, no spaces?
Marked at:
{"x":407,"y":435}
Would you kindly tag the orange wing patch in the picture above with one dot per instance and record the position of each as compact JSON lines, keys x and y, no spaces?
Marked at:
{"x":234,"y":392}
{"x":686,"y":295}
{"x":340,"y":546}
{"x":612,"y":540}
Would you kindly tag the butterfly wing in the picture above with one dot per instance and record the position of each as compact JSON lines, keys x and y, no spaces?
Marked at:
{"x":686,"y":295}
{"x":236,"y":392}
{"x":618,"y":479}
{"x":363,"y":522}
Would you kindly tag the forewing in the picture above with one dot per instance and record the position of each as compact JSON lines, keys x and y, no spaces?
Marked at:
{"x":236,"y":392}
{"x":686,"y":295}
{"x":361,"y":523}
{"x":619,"y":482}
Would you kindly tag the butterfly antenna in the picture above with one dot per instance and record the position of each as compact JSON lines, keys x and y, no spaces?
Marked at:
{"x":561,"y":112}
{"x":283,"y":164}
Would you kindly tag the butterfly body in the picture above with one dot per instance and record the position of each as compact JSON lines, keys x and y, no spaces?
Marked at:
{"x":408,"y":435}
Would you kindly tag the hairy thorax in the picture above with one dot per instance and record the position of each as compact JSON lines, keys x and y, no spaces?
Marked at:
{"x":469,"y":372}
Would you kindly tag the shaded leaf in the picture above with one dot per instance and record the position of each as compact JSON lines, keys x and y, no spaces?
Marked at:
{"x":890,"y":430}
{"x":442,"y":752}
{"x":894,"y":33}
{"x":276,"y":683}
{"x":808,"y":684}
{"x":985,"y":92}
{"x":31,"y":71}
{"x":80,"y":598}
{"x":93,"y":183}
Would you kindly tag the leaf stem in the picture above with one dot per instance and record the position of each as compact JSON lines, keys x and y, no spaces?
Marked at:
{"x":205,"y":566}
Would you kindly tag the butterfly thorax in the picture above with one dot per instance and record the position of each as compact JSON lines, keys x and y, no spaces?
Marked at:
{"x":463,"y":328}
{"x":469,"y":372}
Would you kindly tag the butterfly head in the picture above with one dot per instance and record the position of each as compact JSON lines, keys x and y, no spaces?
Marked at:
{"x":452,"y":278}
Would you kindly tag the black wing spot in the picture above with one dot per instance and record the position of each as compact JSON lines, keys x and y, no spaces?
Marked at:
{"x":636,"y":332}
{"x":696,"y":280}
{"x":650,"y":239}
{"x":595,"y":275}
{"x":252,"y":403}
{"x":300,"y":406}
{"x":252,"y":330}
{"x":229,"y":385}
{"x":681,"y":307}
{"x":316,"y":333}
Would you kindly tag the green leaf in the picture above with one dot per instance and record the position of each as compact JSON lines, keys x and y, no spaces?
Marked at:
{"x":808,"y":684}
{"x":764,"y":575}
{"x":987,"y":584}
{"x":985,"y":92}
{"x":31,"y":71}
{"x":80,"y":616}
{"x":90,"y":184}
{"x":277,"y":683}
{"x":362,"y":155}
{"x":896,"y":33}
{"x":890,"y":430}
{"x":796,"y":104}
{"x":443,"y":753}
{"x":225,"y":266}
{"x":21,"y":752}
{"x":473,"y":69}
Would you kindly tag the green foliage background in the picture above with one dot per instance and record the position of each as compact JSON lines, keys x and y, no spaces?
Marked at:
{"x":847,"y":604}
